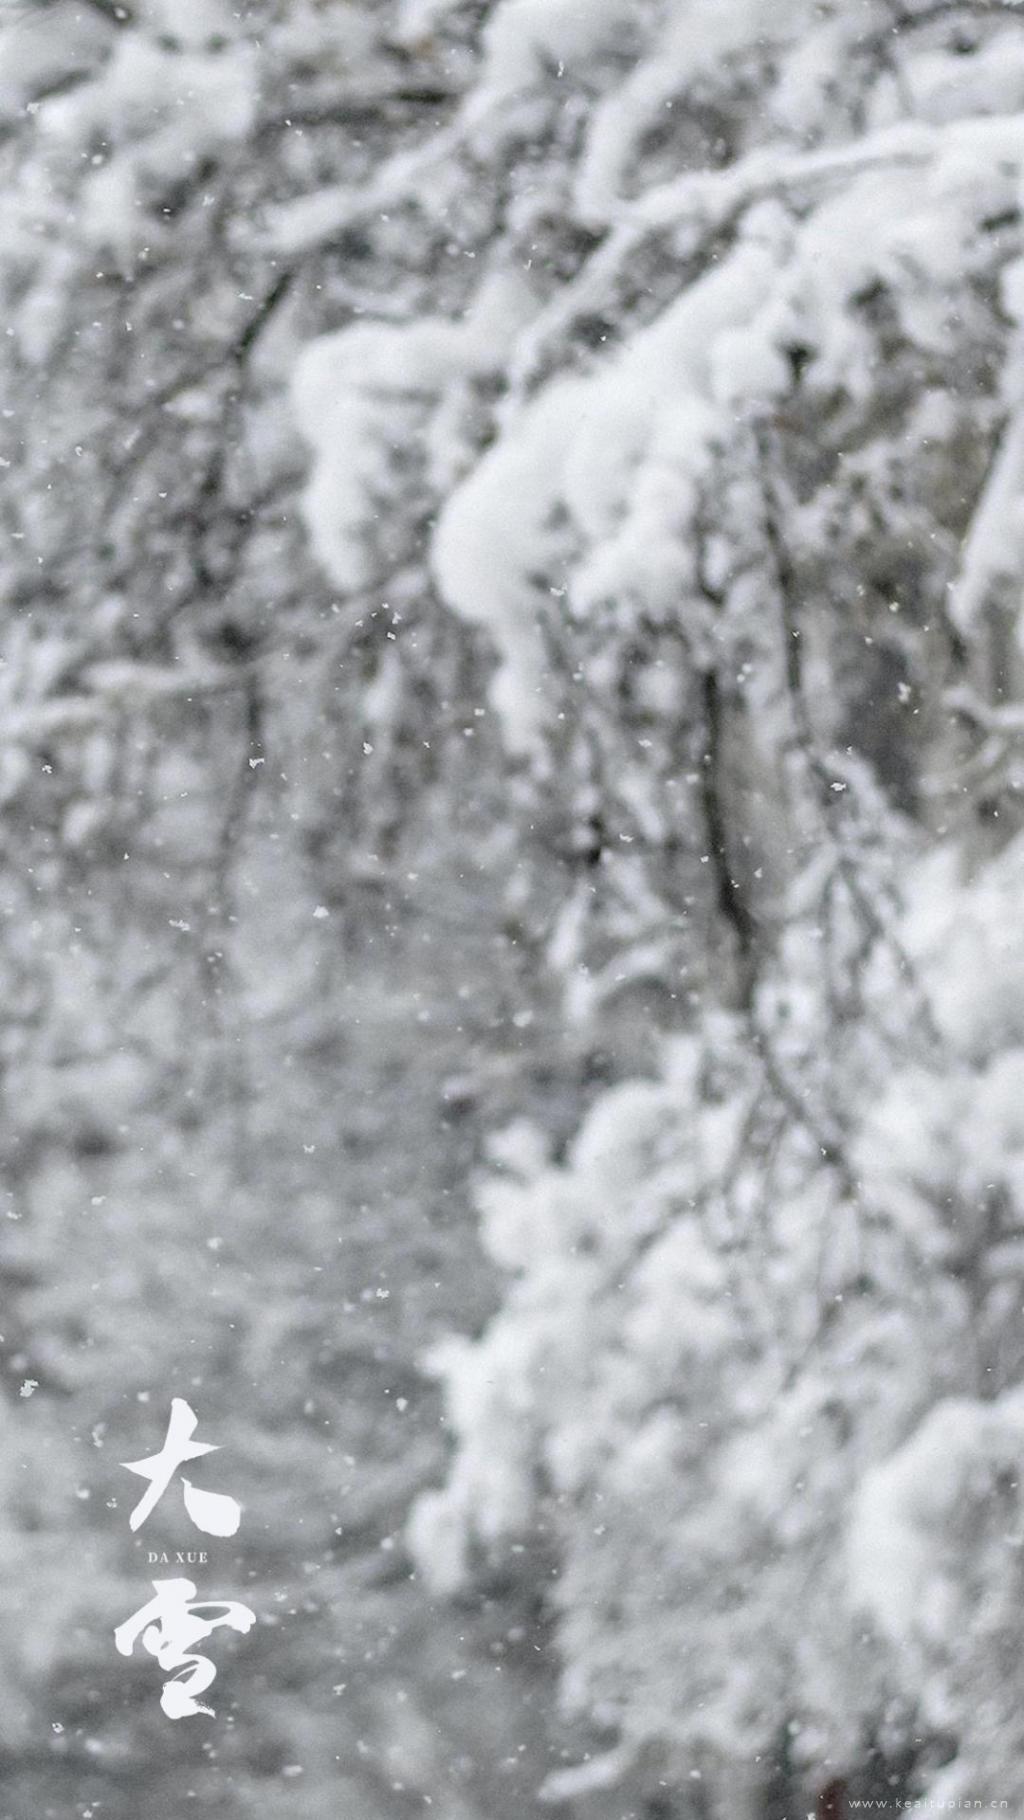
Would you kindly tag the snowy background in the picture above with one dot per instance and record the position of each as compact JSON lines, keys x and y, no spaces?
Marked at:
{"x":511,"y":887}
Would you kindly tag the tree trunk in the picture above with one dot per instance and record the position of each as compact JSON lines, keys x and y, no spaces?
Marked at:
{"x":831,"y":1802}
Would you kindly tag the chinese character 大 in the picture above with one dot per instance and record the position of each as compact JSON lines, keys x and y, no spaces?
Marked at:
{"x":211,"y":1511}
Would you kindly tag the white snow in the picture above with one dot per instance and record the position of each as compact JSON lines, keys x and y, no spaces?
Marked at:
{"x":522,"y":36}
{"x":39,"y":48}
{"x":495,"y":533}
{"x":944,"y":86}
{"x":993,"y":552}
{"x":160,"y":112}
{"x":611,"y":463}
{"x":904,"y":1542}
{"x":358,"y":396}
{"x":701,"y":34}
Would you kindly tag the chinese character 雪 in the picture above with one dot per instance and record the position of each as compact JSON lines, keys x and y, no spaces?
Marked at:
{"x":169,"y":1625}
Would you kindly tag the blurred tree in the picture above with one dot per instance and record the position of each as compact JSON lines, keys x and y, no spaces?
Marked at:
{"x":258,"y":990}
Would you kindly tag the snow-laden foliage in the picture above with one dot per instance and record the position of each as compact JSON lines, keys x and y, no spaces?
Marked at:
{"x":723,"y":480}
{"x":761,"y":1379}
{"x":730,"y":481}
